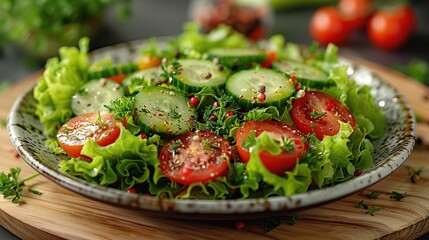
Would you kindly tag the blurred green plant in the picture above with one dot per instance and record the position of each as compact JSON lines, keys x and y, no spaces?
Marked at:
{"x":38,"y":26}
{"x":416,"y":68}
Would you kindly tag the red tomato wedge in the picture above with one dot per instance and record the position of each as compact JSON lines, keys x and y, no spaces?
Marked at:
{"x":319,"y":113}
{"x":101,"y":129}
{"x":195,"y":157}
{"x":277,"y":164}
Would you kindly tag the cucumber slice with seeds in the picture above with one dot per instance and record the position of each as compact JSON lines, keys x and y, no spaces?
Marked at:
{"x":109,"y":71}
{"x":195,"y":74}
{"x":163,"y":111}
{"x":305,"y":74}
{"x":235,"y":57}
{"x":246,"y":85}
{"x":148,"y":77}
{"x":93,"y":95}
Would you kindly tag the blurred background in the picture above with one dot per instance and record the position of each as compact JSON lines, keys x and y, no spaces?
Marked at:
{"x":32,"y":31}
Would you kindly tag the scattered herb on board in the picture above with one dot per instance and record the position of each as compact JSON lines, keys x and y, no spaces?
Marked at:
{"x":294,"y":219}
{"x":3,"y":122}
{"x":398,"y":196}
{"x":373,"y":210}
{"x":362,"y":204}
{"x":272,"y":223}
{"x":372,"y":195}
{"x":10,"y":185}
{"x":414,"y":173}
{"x":370,"y":210}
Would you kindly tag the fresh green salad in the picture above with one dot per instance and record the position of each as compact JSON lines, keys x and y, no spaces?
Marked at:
{"x":209,"y":116}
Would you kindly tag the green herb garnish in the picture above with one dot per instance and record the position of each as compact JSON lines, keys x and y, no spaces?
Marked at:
{"x":398,"y":196}
{"x":362,"y":204}
{"x":316,"y":115}
{"x":372,"y":195}
{"x":373,"y":210}
{"x":294,"y":219}
{"x":272,"y":223}
{"x":414,"y":173}
{"x":10,"y":185}
{"x":209,"y":146}
{"x":174,"y":145}
{"x":287,"y":144}
{"x":174,"y":114}
{"x":122,"y":107}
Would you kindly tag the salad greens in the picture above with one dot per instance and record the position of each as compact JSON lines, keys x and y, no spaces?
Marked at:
{"x":133,"y":162}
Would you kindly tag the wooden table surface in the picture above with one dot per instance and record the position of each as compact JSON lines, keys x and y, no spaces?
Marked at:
{"x":61,"y":214}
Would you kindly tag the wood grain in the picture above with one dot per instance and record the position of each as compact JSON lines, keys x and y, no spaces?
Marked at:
{"x":61,"y":214}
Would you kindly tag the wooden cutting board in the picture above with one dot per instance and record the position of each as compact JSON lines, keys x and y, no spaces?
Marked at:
{"x":61,"y":214}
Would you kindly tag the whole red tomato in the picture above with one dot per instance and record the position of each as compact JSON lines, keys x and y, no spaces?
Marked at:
{"x":390,"y":28}
{"x":328,"y":26}
{"x":356,"y":13}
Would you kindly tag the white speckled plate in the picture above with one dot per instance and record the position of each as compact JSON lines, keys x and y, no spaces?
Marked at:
{"x":391,"y":151}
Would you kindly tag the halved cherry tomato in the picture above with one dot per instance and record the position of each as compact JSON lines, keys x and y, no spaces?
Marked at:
{"x":195,"y":157}
{"x":271,"y":57}
{"x":148,"y":61}
{"x":328,"y":26}
{"x":319,"y":113}
{"x":390,"y":28}
{"x":101,"y":129}
{"x":118,"y":78}
{"x":277,"y":164}
{"x":356,"y":12}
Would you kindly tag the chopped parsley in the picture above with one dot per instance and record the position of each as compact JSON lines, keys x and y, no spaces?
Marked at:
{"x":172,"y":148}
{"x":316,"y":115}
{"x":294,"y":219}
{"x":373,"y":210}
{"x":398,"y":196}
{"x":10,"y":185}
{"x":372,"y":195}
{"x":209,"y":146}
{"x":174,"y":114}
{"x":362,"y":204}
{"x":122,"y":107}
{"x":414,"y":173}
{"x":272,"y":223}
{"x":287,"y":144}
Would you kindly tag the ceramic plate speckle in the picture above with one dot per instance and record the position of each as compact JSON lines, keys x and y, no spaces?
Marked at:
{"x":391,"y":151}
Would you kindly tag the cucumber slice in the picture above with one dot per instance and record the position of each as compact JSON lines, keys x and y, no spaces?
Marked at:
{"x":305,"y":74}
{"x":94,"y":94}
{"x":148,"y":77}
{"x":163,"y":111}
{"x":245,"y":86}
{"x":235,"y":57}
{"x":194,"y":74}
{"x":108,"y":71}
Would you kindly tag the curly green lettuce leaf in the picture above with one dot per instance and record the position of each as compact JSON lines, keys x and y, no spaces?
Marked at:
{"x":60,"y":80}
{"x":359,"y":101}
{"x":335,"y":159}
{"x":216,"y":189}
{"x":257,"y":176}
{"x":193,"y":43}
{"x":124,"y":163}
